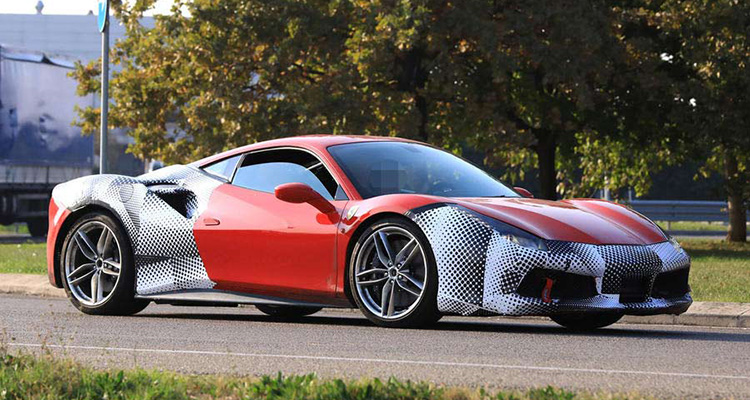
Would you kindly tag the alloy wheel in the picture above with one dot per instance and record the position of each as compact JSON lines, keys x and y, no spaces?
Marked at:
{"x":92,"y":263}
{"x":390,"y":272}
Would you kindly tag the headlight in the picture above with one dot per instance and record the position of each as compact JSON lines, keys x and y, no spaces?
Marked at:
{"x":517,"y":236}
{"x":530,"y":241}
{"x":671,"y":240}
{"x":676,"y":245}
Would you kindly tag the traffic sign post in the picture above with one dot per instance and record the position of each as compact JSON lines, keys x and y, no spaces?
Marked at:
{"x":103,"y":22}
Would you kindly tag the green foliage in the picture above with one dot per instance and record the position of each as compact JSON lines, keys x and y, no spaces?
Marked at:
{"x":47,"y":377}
{"x":516,"y":80}
{"x":594,"y":94}
{"x":606,"y":162}
{"x":707,"y":42}
{"x":29,"y":377}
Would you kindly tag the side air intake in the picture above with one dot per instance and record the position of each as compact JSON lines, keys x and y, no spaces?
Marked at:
{"x":179,"y":198}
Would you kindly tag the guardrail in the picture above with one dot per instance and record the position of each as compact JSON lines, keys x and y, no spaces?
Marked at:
{"x":681,"y":210}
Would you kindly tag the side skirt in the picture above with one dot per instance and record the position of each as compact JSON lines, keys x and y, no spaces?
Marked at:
{"x":225,"y":298}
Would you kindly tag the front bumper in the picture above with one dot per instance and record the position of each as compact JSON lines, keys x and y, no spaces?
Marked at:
{"x":480,"y":271}
{"x":603,"y":303}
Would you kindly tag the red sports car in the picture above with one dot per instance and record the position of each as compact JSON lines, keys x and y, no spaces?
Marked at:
{"x":402,"y":230}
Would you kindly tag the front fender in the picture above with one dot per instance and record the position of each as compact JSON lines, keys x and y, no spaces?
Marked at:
{"x":359,"y":214}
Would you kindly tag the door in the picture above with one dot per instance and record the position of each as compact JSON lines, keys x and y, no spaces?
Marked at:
{"x":253,"y":242}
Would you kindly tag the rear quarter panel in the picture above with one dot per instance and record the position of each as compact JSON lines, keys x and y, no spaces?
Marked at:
{"x":57,"y":217}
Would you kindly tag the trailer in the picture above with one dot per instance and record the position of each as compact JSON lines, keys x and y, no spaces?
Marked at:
{"x":39,"y":146}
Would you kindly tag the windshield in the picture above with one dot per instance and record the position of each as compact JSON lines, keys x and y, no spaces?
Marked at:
{"x":379,"y":168}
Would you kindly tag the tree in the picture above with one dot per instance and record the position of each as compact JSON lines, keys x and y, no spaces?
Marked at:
{"x":712,"y":45}
{"x":554,"y":85}
{"x":213,"y":75}
{"x":531,"y":84}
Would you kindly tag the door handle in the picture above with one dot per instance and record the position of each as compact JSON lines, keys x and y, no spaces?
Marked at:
{"x":211,"y":221}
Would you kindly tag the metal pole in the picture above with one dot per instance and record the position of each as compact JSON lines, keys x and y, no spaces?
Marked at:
{"x":105,"y":99}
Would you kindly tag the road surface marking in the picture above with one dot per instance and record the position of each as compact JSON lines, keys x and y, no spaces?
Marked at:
{"x":385,"y":361}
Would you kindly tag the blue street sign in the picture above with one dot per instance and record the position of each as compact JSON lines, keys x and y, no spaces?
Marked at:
{"x":103,"y":15}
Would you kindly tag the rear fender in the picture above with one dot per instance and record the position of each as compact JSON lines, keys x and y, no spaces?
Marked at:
{"x":57,"y":217}
{"x":60,"y":221}
{"x":157,"y":212}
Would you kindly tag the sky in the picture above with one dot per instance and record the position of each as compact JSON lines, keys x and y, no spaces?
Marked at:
{"x":75,"y":7}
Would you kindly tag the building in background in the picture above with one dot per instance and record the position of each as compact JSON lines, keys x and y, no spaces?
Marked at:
{"x":74,"y":37}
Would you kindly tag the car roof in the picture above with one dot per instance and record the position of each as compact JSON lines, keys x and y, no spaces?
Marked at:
{"x":317,"y":143}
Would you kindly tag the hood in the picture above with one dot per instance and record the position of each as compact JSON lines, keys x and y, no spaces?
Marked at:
{"x":579,"y":220}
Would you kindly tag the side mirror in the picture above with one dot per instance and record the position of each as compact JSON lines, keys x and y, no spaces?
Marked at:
{"x":301,"y":193}
{"x":523,"y":192}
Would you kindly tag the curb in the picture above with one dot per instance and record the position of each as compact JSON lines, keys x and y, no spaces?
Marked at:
{"x":723,"y":315}
{"x":706,"y":314}
{"x":27,"y":284}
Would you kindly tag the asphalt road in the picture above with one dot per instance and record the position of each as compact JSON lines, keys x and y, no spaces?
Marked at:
{"x":663,"y":361}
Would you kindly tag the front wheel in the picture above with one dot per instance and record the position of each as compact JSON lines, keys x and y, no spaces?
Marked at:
{"x":586,"y":322}
{"x":97,"y":267}
{"x":392,"y":275}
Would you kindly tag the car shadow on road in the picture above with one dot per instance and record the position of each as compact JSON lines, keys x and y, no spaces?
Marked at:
{"x":656,"y":332}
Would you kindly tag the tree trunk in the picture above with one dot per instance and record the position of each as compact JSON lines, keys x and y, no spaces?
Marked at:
{"x":737,"y":219}
{"x":545,"y":151}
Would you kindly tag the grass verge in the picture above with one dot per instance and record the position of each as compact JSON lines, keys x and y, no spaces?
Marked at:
{"x":26,"y":376}
{"x":26,"y":258}
{"x":720,"y":270}
{"x":694,"y":226}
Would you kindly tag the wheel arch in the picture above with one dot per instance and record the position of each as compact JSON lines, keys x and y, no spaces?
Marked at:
{"x":74,"y":217}
{"x":361,"y":228}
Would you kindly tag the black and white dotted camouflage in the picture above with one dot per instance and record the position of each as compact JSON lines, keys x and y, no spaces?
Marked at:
{"x":480,"y":268}
{"x":165,"y":252}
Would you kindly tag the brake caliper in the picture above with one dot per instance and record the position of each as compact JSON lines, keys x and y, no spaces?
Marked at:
{"x":547,"y":291}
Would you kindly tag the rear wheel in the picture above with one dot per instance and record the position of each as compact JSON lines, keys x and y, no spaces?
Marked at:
{"x":392,"y":275}
{"x":586,"y":322}
{"x":97,"y":268}
{"x":289,"y":312}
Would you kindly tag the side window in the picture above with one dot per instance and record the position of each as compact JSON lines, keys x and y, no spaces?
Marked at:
{"x":223,"y":168}
{"x":265,"y":170}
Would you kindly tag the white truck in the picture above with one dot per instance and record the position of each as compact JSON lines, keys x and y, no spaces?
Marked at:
{"x":39,"y":147}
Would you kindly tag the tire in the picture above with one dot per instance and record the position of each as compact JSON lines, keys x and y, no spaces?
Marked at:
{"x":287,"y":312}
{"x":117,"y":294}
{"x":405,"y":306}
{"x":37,"y":227}
{"x":586,"y":322}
